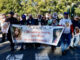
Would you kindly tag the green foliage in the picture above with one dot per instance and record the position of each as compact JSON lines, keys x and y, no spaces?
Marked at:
{"x":37,"y":6}
{"x":77,"y":11}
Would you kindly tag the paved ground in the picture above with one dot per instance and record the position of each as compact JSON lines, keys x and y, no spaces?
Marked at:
{"x":36,"y":54}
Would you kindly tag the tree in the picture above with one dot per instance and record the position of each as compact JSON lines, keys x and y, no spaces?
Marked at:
{"x":10,"y":5}
{"x":37,"y":6}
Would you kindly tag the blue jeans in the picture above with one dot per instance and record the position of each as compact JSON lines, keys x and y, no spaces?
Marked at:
{"x":65,"y":41}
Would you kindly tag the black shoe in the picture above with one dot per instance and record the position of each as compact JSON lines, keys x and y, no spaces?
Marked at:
{"x":63,"y":53}
{"x":53,"y":48}
{"x":12,"y":49}
{"x":72,"y":48}
{"x":3,"y":41}
{"x":76,"y":47}
{"x":22,"y":49}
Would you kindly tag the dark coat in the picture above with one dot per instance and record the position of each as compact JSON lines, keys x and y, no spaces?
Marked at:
{"x":31,"y":22}
{"x":11,"y":20}
{"x":75,"y":24}
{"x":23,"y":22}
{"x":42,"y":22}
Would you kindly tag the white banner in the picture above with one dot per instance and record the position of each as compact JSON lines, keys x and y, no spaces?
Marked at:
{"x":36,"y":34}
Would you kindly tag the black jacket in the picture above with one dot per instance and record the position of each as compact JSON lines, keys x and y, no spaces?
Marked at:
{"x":23,"y":22}
{"x":75,"y":24}
{"x":42,"y":22}
{"x":31,"y":22}
{"x":12,"y":20}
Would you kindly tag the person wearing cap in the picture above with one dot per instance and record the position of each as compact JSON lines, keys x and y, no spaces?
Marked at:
{"x":11,"y":20}
{"x":23,"y":21}
{"x":55,"y":16}
{"x":67,"y":33}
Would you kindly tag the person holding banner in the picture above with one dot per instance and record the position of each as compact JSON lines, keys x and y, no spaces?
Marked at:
{"x":55,"y":16}
{"x":50,"y":21}
{"x":11,"y":20}
{"x":23,"y":22}
{"x":38,"y":21}
{"x":31,"y":20}
{"x":68,"y":30}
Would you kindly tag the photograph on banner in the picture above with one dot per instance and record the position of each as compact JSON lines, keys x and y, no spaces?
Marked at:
{"x":57,"y":32}
{"x":16,"y":33}
{"x":5,"y":27}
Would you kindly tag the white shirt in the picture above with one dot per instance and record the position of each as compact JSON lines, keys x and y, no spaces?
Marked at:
{"x":67,"y":24}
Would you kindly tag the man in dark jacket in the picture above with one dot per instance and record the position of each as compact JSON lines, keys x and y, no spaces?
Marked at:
{"x":11,"y":20}
{"x":31,"y":21}
{"x":38,"y":21}
{"x":23,"y":21}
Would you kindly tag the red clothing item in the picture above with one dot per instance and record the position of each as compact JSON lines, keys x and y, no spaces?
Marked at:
{"x":72,"y":29}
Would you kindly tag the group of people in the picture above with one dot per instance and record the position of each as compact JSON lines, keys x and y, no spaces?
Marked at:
{"x":70,"y":33}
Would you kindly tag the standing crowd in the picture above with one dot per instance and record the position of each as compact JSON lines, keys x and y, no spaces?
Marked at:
{"x":69,"y":38}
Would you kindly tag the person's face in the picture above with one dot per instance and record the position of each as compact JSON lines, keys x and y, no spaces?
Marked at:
{"x":4,"y":16}
{"x":16,"y":31}
{"x":50,"y":17}
{"x":57,"y":33}
{"x":54,"y":21}
{"x":77,"y":30}
{"x":44,"y":18}
{"x":5,"y":26}
{"x":55,"y":14}
{"x":23,"y":18}
{"x":66,"y":16}
{"x":9,"y":15}
{"x":12,"y":15}
{"x":39,"y":16}
{"x":30,"y":16}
